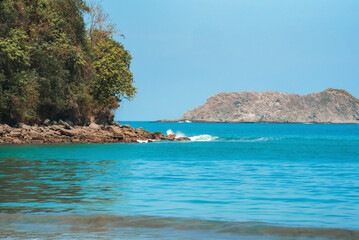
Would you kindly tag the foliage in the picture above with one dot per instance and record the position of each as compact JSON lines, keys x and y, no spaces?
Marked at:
{"x":52,"y":67}
{"x":113,"y":77}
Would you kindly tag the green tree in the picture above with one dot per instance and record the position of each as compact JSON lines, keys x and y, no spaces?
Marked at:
{"x":52,"y":67}
{"x":114,"y":80}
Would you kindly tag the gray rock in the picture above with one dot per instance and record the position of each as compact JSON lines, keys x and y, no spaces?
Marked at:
{"x":69,"y":133}
{"x":65,"y":124}
{"x":23,"y":126}
{"x":157,"y":135}
{"x":117,"y":132}
{"x":70,"y":123}
{"x":329,"y":106}
{"x":15,"y":134}
{"x":46,"y":122}
{"x":94,"y":126}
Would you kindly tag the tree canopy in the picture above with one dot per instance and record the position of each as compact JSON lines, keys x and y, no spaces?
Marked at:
{"x":52,"y":67}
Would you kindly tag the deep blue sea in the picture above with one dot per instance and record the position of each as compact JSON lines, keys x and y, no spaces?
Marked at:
{"x":233,"y":181}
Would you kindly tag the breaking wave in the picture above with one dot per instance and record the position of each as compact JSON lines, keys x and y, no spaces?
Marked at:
{"x":170,"y":132}
{"x":204,"y":138}
{"x":210,"y":138}
{"x":199,"y":138}
{"x":178,"y":133}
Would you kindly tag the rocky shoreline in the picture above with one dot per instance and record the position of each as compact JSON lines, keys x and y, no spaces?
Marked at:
{"x":66,"y":132}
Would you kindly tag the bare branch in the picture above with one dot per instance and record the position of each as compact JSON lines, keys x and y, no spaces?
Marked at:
{"x":101,"y":25}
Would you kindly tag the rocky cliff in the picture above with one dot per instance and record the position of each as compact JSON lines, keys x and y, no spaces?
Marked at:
{"x":329,"y":106}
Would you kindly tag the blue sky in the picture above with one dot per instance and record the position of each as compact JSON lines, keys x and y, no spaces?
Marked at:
{"x":184,"y":51}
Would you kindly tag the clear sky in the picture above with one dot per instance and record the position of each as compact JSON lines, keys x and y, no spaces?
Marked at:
{"x":184,"y":51}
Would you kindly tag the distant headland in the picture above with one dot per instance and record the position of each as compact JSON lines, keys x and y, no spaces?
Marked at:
{"x":328,"y":106}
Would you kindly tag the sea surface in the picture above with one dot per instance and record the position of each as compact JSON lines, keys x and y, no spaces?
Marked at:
{"x":233,"y":181}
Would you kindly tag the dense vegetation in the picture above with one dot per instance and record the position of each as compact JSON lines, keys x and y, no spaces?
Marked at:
{"x":52,"y":67}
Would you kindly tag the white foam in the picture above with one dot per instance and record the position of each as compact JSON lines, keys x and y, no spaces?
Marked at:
{"x":199,"y":138}
{"x":142,"y":141}
{"x":180,"y":134}
{"x":261,"y":139}
{"x":170,"y":132}
{"x":203,"y":138}
{"x":187,"y":121}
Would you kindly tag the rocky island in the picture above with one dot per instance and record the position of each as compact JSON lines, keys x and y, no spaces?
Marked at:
{"x":328,"y":106}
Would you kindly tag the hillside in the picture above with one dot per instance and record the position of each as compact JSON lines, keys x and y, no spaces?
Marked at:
{"x":329,"y":106}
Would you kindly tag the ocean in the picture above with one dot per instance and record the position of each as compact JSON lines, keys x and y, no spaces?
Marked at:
{"x":233,"y":181}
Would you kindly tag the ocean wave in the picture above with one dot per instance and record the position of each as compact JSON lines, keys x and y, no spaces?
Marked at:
{"x":105,"y":222}
{"x":203,"y":138}
{"x":260,"y":139}
{"x":186,"y":121}
{"x":178,"y":133}
{"x":210,"y":138}
{"x":199,"y":138}
{"x":170,"y":132}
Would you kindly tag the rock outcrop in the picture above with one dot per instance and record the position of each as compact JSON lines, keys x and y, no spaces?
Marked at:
{"x":329,"y":106}
{"x":63,"y":132}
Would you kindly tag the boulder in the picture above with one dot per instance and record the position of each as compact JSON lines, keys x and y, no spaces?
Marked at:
{"x":129,"y":140}
{"x":15,"y":134}
{"x":130,"y":134}
{"x":157,"y":136}
{"x":23,"y":126}
{"x":147,"y":135}
{"x":70,"y":123}
{"x":116,"y":131}
{"x":94,"y":126}
{"x":46,"y":122}
{"x":55,"y":127}
{"x":36,"y":136}
{"x":183,"y":139}
{"x":171,"y":136}
{"x":69,"y":133}
{"x":65,"y":124}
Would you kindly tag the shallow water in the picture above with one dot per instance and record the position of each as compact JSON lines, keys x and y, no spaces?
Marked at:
{"x":285,"y":178}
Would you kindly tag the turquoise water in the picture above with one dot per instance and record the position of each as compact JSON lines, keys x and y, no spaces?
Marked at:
{"x":277,"y":177}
